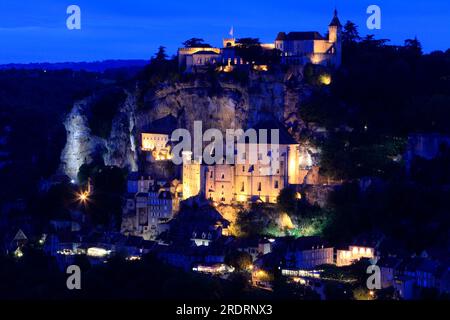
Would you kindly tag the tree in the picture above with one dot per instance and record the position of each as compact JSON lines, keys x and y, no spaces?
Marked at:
{"x":196,"y":43}
{"x":248,"y":42}
{"x":250,"y":50}
{"x":161,"y":55}
{"x":414,"y":46}
{"x":350,"y":34}
{"x":287,"y":200}
{"x":240,"y":260}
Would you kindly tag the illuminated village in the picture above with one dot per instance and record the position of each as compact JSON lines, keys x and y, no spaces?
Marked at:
{"x":225,"y":221}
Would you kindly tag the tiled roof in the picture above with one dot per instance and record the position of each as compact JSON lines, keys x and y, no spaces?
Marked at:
{"x":308,"y":243}
{"x":300,"y":36}
{"x":335,"y":22}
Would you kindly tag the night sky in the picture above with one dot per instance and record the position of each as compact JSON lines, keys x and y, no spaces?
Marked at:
{"x":35,"y":30}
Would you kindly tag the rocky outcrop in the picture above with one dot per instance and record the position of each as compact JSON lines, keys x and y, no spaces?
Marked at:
{"x":123,"y":143}
{"x":221,"y":104}
{"x":81,"y":146}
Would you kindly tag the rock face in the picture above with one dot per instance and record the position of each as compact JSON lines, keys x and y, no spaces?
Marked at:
{"x":81,"y":146}
{"x":123,"y":144}
{"x":218,"y":104}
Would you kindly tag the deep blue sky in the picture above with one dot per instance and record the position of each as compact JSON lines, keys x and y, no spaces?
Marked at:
{"x":35,"y":30}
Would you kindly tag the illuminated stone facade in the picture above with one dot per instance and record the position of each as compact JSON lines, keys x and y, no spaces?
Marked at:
{"x":149,"y":205}
{"x":296,"y":48}
{"x":258,"y":173}
{"x":246,"y":182}
{"x":311,"y":47}
{"x":354,"y":253}
{"x":191,"y":176}
{"x":157,"y":145}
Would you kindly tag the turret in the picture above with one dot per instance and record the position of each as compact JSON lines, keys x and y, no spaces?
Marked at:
{"x":335,"y":37}
{"x":335,"y":29}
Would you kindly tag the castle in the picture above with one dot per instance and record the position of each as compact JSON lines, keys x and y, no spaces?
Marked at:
{"x":294,"y":48}
{"x":151,"y":204}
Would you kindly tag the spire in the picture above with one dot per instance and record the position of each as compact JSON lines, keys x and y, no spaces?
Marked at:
{"x":335,"y":22}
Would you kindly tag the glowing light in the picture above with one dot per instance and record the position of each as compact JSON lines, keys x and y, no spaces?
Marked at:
{"x":217,"y":268}
{"x":133,"y":258}
{"x":298,"y":196}
{"x":83,"y":196}
{"x":18,"y":253}
{"x":286,"y":222}
{"x":262,"y":67}
{"x":98,"y":252}
{"x":316,"y":59}
{"x":325,"y":79}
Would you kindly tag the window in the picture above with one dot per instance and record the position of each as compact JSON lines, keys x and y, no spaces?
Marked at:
{"x":276,"y":184}
{"x":243,"y":168}
{"x":242,"y":186}
{"x":223,"y":176}
{"x":259,"y":186}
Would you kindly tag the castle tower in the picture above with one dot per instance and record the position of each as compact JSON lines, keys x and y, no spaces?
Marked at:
{"x":230,"y":42}
{"x":191,"y":176}
{"x":335,"y":29}
{"x":335,"y":37}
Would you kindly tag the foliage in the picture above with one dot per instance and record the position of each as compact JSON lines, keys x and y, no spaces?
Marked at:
{"x":383,"y":84}
{"x":196,"y":43}
{"x":432,"y":172}
{"x":414,"y":216}
{"x":348,"y":155}
{"x":103,"y":110}
{"x":287,"y":200}
{"x":250,"y":50}
{"x":239,"y":260}
{"x":33,"y":104}
{"x":105,"y":203}
{"x":36,"y":276}
{"x":159,"y":70}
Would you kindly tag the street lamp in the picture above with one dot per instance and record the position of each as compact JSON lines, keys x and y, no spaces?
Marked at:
{"x":83,"y":196}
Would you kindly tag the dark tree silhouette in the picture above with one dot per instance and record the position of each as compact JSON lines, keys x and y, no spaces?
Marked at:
{"x":196,"y":43}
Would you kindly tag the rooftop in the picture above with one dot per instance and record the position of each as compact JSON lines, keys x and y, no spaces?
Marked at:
{"x":302,"y":36}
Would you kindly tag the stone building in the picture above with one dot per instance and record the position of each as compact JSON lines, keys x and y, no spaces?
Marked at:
{"x":311,"y":47}
{"x":156,"y":139}
{"x":192,"y":176}
{"x":298,"y":48}
{"x":306,"y":253}
{"x":255,"y":176}
{"x":149,"y":205}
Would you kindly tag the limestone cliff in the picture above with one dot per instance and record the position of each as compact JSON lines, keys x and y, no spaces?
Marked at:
{"x":222,"y":104}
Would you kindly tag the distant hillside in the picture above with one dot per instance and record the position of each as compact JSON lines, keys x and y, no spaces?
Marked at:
{"x":96,"y":66}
